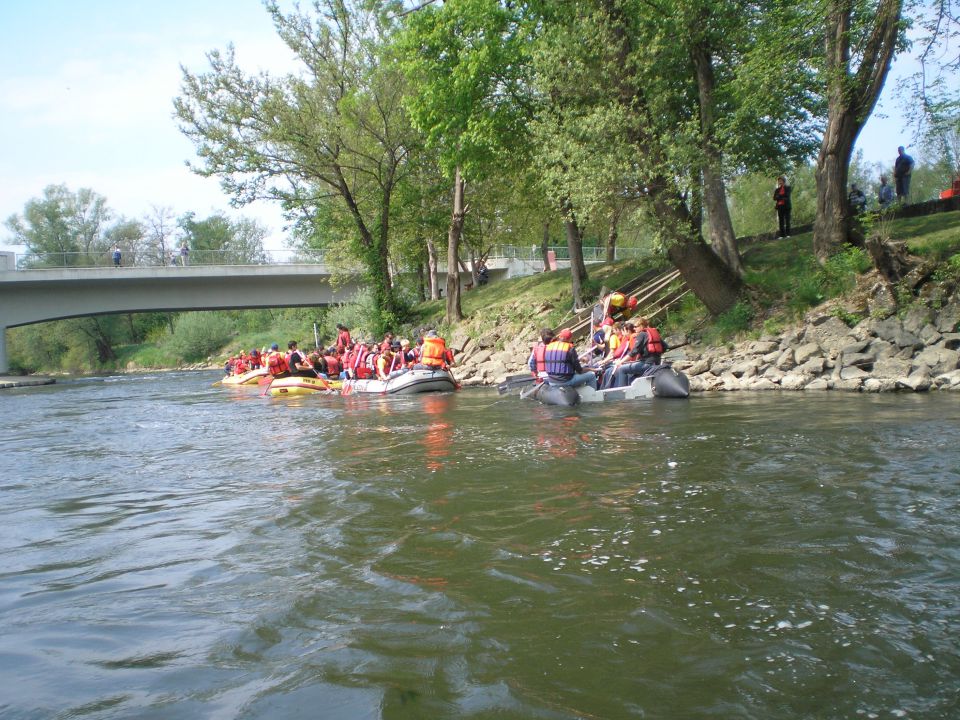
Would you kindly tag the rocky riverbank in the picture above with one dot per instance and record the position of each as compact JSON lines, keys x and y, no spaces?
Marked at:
{"x":917,"y":352}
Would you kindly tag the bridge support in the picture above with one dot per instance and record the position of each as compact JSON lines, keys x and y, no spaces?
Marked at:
{"x":3,"y":350}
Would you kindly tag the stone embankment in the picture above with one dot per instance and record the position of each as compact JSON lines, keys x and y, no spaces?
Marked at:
{"x":917,"y":352}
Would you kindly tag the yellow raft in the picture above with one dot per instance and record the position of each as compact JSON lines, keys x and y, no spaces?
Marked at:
{"x":302,"y":386}
{"x":251,"y":377}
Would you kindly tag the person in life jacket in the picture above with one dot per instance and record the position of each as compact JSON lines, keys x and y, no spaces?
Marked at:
{"x":434,"y":353}
{"x":645,"y":351}
{"x":385,"y":363}
{"x":240,"y":366}
{"x":297,"y":363}
{"x":562,"y":365}
{"x":254,"y":359}
{"x":343,"y":342}
{"x":618,"y":305}
{"x":620,"y":344}
{"x":359,"y":368}
{"x":333,"y":362}
{"x":228,"y":366}
{"x":407,"y":355}
{"x":319,"y":364}
{"x":277,"y":363}
{"x":538,"y":361}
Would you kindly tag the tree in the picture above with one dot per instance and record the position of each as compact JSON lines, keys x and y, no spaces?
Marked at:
{"x":467,"y":64}
{"x":63,"y":228}
{"x":860,"y":41}
{"x":220,"y":241}
{"x":334,"y":133}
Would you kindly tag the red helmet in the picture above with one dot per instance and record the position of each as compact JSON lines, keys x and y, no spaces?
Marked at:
{"x":565,"y":335}
{"x":632,"y":302}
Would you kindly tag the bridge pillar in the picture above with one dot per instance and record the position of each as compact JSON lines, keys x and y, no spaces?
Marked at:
{"x":3,"y":350}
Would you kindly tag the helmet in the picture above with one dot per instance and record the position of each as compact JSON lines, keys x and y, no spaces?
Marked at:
{"x":565,"y":335}
{"x":632,"y":302}
{"x":274,"y":347}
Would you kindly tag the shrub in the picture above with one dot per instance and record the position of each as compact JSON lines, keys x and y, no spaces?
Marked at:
{"x":197,"y":335}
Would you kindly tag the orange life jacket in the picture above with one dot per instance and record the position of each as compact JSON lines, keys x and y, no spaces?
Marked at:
{"x":277,"y":363}
{"x":434,"y":352}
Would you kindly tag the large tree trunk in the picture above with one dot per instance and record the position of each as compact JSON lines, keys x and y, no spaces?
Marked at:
{"x":851,"y":97}
{"x":719,"y":225}
{"x":706,"y":274}
{"x":421,"y":282}
{"x":578,"y":269}
{"x":454,"y":312}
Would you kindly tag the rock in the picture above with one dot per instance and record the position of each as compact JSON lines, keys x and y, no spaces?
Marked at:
{"x":881,"y":349}
{"x":480,"y":357}
{"x":891,"y":368}
{"x":761,"y":347}
{"x":938,"y":359}
{"x":758,"y":383}
{"x":906,"y":339}
{"x":948,"y":318}
{"x":698,"y":367}
{"x":813,"y":366}
{"x":848,"y":384}
{"x":787,"y":360}
{"x":773,"y":374}
{"x":794,"y":381}
{"x":918,"y":381}
{"x":949,"y":380}
{"x":852,"y":373}
{"x":854,"y":347}
{"x":916,"y":318}
{"x":487,"y":341}
{"x":951,"y":340}
{"x":876,"y":385}
{"x":720,"y":366}
{"x":830,"y":333}
{"x":930,"y":335}
{"x":857,"y":359}
{"x":744,"y":369}
{"x":887,"y":329}
{"x":805,"y":352}
{"x":819,"y":384}
{"x":730,"y":381}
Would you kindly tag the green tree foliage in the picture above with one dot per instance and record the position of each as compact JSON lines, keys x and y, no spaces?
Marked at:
{"x":334,"y":132}
{"x":63,"y":227}
{"x":468,"y":63}
{"x":217,"y":240}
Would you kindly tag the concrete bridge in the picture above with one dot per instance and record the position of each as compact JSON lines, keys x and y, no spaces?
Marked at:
{"x":32,"y":296}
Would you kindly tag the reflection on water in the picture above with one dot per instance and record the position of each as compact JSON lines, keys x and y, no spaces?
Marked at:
{"x":173,"y":550}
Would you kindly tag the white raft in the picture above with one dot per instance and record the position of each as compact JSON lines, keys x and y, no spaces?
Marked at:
{"x":410,"y":382}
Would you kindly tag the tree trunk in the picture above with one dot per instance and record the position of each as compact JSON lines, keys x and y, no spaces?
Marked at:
{"x":719,"y":225}
{"x":706,"y":274}
{"x":613,"y":234}
{"x":851,"y":97}
{"x":421,"y":282}
{"x":454,"y":312}
{"x":578,"y":270}
{"x":545,"y":246}
{"x":432,"y":269}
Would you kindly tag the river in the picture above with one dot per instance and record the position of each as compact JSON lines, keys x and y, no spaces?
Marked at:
{"x":176,"y":550}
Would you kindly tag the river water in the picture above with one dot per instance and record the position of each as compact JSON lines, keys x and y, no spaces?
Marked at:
{"x":170,"y":549}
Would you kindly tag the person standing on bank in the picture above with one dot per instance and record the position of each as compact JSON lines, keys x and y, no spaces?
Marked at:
{"x":885,"y":196}
{"x":781,"y":200}
{"x":902,"y":168}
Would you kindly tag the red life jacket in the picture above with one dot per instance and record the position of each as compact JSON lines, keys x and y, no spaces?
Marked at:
{"x":277,"y":363}
{"x":343,"y":340}
{"x":654,"y":341}
{"x":539,"y":359}
{"x":333,"y":365}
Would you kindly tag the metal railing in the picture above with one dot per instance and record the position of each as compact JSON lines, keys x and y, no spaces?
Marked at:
{"x":100,"y":259}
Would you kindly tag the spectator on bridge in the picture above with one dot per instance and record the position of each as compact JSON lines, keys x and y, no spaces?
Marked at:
{"x":902,"y":169}
{"x":184,"y":255}
{"x":885,"y":196}
{"x":173,"y":258}
{"x":116,"y":256}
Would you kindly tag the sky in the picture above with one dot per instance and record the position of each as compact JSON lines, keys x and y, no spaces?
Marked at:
{"x":86,"y":100}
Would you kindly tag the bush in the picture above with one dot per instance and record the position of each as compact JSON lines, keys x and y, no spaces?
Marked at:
{"x":197,"y":335}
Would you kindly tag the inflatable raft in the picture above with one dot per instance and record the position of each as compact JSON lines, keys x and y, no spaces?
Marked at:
{"x":251,"y":377}
{"x":410,"y":382}
{"x":664,"y":382}
{"x":295,"y":385}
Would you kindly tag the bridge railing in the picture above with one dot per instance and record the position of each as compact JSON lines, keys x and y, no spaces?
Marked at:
{"x":285,"y":256}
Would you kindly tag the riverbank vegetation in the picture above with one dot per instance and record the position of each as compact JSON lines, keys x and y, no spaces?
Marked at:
{"x":786,"y":283}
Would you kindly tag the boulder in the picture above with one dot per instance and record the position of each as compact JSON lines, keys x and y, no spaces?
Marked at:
{"x":848,"y":384}
{"x":887,"y":329}
{"x":794,"y":381}
{"x":806,"y":351}
{"x":830,"y":333}
{"x":698,"y":367}
{"x":951,"y":340}
{"x":930,"y":335}
{"x":479,"y":357}
{"x":857,"y":359}
{"x":891,"y":368}
{"x":773,"y":374}
{"x":759,"y":383}
{"x":819,"y":384}
{"x":918,"y":381}
{"x":813,"y":366}
{"x":852,"y":373}
{"x":950,"y":380}
{"x":787,"y":360}
{"x":939,"y":360}
{"x":744,"y":369}
{"x":876,"y":385}
{"x":762,"y":347}
{"x":948,"y":318}
{"x":906,"y":339}
{"x":916,"y":318}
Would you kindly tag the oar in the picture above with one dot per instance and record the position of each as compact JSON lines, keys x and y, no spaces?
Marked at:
{"x":528,"y":392}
